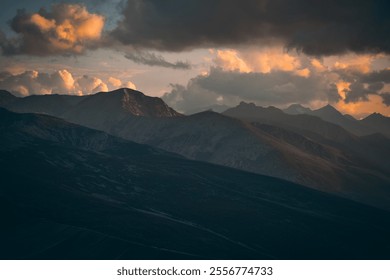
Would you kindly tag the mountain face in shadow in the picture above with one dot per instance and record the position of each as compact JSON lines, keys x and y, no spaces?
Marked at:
{"x":269,"y":150}
{"x":69,"y":192}
{"x":313,"y":127}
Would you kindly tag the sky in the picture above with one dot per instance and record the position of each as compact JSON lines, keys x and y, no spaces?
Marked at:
{"x":198,"y":53}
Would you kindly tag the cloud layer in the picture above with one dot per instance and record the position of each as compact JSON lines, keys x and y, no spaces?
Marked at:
{"x":270,"y":76}
{"x":313,"y":27}
{"x":151,"y":59}
{"x":60,"y":82}
{"x":66,"y":29}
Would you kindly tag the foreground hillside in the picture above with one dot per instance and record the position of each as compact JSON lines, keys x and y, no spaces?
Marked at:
{"x":72,"y":192}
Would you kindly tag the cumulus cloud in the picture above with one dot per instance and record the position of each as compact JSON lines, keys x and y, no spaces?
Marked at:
{"x":151,"y":59}
{"x":117,"y":83}
{"x":114,"y":82}
{"x":263,"y":60}
{"x":313,"y":27}
{"x":61,"y":82}
{"x":129,"y":85}
{"x":30,"y":82}
{"x":87,"y":84}
{"x":66,"y":29}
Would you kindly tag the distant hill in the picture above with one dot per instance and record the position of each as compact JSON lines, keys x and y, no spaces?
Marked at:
{"x":69,"y":192}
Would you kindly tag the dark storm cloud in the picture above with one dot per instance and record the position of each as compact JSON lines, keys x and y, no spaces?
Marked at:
{"x":386,"y":98}
{"x":151,"y":59}
{"x":315,"y":27}
{"x":65,"y":29}
{"x":364,"y":84}
{"x":377,"y":76}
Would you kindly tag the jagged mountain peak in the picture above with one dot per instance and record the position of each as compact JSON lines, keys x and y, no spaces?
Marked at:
{"x":133,"y":102}
{"x":295,"y":109}
{"x":251,"y":108}
{"x":328,"y":109}
{"x":104,"y":109}
{"x":376,"y":115}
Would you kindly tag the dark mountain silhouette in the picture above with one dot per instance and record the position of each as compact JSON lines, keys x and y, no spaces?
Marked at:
{"x":69,"y":192}
{"x":378,"y":122}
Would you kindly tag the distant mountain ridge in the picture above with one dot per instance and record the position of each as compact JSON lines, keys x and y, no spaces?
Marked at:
{"x":124,"y":102}
{"x":357,"y":127}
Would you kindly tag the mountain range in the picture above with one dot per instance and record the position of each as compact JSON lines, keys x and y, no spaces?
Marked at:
{"x":374,"y":123}
{"x":70,"y":192}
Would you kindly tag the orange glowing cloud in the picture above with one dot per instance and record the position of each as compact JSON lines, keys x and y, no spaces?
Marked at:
{"x":351,"y":62}
{"x":364,"y":108}
{"x":318,"y":66}
{"x":264,"y":60}
{"x":342,"y":88}
{"x":116,"y":83}
{"x":68,"y":28}
{"x":60,"y":81}
{"x":230,"y":60}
